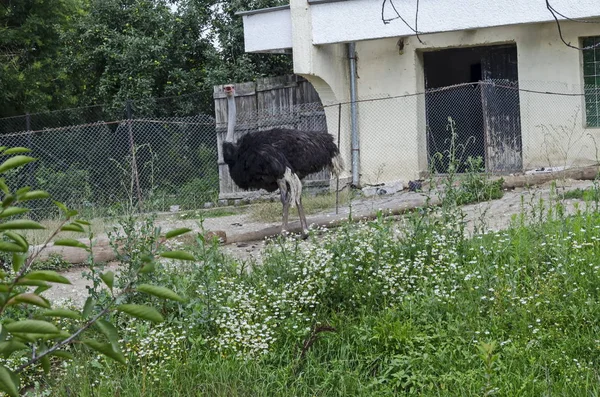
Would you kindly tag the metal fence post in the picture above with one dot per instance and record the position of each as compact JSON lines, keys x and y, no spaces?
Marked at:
{"x":29,"y":146}
{"x":134,"y":168}
{"x":337,"y":179}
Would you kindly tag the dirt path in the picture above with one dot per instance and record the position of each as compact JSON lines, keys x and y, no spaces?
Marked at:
{"x":493,"y":215}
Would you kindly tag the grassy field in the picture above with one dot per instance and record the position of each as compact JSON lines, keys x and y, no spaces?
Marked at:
{"x":373,"y":309}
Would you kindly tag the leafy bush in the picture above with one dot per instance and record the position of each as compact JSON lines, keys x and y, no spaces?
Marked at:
{"x":476,"y":187}
{"x":30,"y":336}
{"x":70,"y":186}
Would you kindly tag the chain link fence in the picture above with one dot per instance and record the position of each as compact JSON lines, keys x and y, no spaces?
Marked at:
{"x":110,"y":161}
{"x":164,"y":154}
{"x":497,"y":127}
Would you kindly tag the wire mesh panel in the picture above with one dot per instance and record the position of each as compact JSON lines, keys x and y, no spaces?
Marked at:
{"x":465,"y":134}
{"x":175,"y":161}
{"x":497,"y":126}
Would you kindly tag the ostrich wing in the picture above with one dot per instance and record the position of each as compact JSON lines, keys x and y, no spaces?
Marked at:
{"x":259,"y":166}
{"x":306,"y":151}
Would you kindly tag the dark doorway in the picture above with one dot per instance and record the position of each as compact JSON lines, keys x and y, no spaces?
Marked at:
{"x":486,"y":116}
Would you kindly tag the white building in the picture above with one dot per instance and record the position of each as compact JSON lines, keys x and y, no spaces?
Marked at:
{"x":516,"y":41}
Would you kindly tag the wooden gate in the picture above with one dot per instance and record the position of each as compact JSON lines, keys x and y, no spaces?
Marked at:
{"x":501,"y":110}
{"x":276,"y":102}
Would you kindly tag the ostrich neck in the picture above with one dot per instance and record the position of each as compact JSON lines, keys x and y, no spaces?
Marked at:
{"x":230,"y":119}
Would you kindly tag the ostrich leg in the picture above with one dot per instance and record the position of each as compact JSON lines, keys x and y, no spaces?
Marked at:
{"x":303,"y":222}
{"x":285,"y":200}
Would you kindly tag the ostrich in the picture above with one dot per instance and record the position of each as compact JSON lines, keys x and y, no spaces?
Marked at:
{"x":278,"y":159}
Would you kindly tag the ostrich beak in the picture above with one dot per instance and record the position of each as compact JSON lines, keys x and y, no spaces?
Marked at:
{"x":229,"y":89}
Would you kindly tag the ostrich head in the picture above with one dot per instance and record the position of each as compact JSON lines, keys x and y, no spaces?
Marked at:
{"x":229,"y":147}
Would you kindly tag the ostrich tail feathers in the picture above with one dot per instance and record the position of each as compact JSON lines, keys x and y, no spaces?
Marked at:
{"x":338,"y":165}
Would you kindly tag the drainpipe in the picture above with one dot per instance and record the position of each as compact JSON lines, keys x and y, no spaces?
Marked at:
{"x":353,"y":118}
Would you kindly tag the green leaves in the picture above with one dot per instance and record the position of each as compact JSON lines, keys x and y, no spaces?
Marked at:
{"x":177,"y":232}
{"x":87,"y":307}
{"x":106,"y":349}
{"x":23,"y":224}
{"x":16,"y":150}
{"x":31,"y":299}
{"x":34,"y":195}
{"x":62,"y":354}
{"x":47,"y":275}
{"x":181,"y":255}
{"x":12,"y":211}
{"x":9,"y":382}
{"x":73,"y":227}
{"x":18,"y":260}
{"x":110,"y":331}
{"x":11,"y":346}
{"x":32,"y":327}
{"x":69,"y":242}
{"x":18,"y":239}
{"x":160,"y":292}
{"x":108,"y":278}
{"x":11,"y":247}
{"x":14,"y":162}
{"x":42,"y":330}
{"x":141,"y":312}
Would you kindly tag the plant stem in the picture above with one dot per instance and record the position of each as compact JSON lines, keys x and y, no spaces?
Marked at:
{"x":76,"y":333}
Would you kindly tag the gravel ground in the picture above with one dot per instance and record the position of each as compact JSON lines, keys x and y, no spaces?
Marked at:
{"x":495,"y":215}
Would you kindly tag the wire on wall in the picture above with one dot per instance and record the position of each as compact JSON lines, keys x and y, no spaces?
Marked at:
{"x":556,"y":14}
{"x":398,"y":16}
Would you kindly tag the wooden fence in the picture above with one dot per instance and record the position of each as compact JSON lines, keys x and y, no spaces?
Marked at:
{"x":285,"y":102}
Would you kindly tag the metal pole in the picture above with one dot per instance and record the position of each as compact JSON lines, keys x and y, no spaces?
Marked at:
{"x":353,"y":117}
{"x":337,"y":182}
{"x":134,"y":169}
{"x":29,"y":146}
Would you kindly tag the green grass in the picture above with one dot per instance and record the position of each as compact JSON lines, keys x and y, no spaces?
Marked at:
{"x":408,"y":314}
{"x":590,"y":194}
{"x":271,"y":211}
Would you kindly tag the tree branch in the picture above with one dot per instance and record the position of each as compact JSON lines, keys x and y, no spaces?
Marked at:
{"x":76,"y":333}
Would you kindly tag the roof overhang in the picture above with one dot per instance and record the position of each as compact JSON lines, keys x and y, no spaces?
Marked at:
{"x":268,"y":30}
{"x":342,"y":21}
{"x":356,"y":20}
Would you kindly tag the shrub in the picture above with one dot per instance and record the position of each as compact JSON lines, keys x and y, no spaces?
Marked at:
{"x":33,"y":332}
{"x":70,"y":186}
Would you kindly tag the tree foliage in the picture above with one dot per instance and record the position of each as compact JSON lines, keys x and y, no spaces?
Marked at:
{"x":232,"y":63}
{"x":135,"y":49}
{"x":68,"y":53}
{"x":27,"y":320}
{"x":30,"y":32}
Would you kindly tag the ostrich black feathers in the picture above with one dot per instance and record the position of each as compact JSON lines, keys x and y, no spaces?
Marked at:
{"x":260,"y":158}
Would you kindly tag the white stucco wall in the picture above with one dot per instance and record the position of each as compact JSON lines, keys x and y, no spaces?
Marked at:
{"x":268,"y":31}
{"x":392,"y":132}
{"x":355,"y":20}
